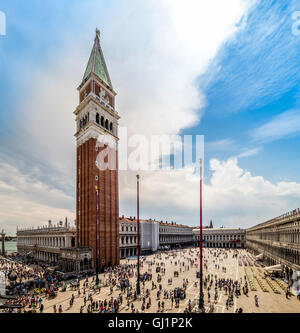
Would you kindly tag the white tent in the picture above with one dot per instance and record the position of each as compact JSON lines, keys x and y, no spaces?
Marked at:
{"x":273,"y":269}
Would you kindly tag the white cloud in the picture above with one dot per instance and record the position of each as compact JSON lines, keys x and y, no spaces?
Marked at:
{"x":232,"y":197}
{"x":250,"y":152}
{"x":154,"y":70}
{"x":25,"y":201}
{"x":283,"y":125}
{"x":155,"y":51}
{"x":225,"y":144}
{"x":158,"y":90}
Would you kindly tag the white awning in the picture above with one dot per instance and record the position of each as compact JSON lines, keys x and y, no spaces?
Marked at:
{"x":276,"y":268}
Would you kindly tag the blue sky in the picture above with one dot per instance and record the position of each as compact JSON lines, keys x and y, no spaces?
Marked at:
{"x":228,"y":71}
{"x":254,"y":78}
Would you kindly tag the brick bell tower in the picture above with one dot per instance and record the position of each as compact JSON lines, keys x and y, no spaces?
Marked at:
{"x":97,"y":197}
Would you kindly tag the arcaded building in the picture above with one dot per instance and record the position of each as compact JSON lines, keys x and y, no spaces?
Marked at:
{"x":54,"y":244}
{"x":231,"y":238}
{"x":97,"y":199}
{"x":149,"y":233}
{"x":278,"y":240}
{"x":44,"y":243}
{"x":155,"y":235}
{"x":173,"y":235}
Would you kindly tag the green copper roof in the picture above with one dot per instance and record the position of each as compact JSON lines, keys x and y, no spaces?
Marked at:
{"x":97,"y":63}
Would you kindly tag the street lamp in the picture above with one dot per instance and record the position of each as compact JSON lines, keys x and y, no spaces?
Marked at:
{"x":138,"y":287}
{"x":97,"y":259}
{"x":201,"y":300}
{"x":3,"y":242}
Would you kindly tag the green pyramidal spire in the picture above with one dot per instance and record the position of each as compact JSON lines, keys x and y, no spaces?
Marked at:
{"x":97,"y":63}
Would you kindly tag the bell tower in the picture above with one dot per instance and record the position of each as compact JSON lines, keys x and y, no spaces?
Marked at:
{"x":97,"y":190}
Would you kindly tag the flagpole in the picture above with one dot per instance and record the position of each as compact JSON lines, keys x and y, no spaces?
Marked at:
{"x":201,"y":300}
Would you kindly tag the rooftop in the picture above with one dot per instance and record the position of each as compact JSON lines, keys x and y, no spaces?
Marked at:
{"x":282,"y":218}
{"x":97,"y":63}
{"x":170,"y":224}
{"x":219,"y":229}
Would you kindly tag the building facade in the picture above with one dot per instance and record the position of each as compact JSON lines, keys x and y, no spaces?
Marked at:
{"x":128,"y":237}
{"x":172,"y":235}
{"x":149,"y":238}
{"x":155,"y":235}
{"x":45,"y":243}
{"x":232,"y":238}
{"x":279,"y":241}
{"x":76,"y":259}
{"x":97,"y":200}
{"x":54,"y":245}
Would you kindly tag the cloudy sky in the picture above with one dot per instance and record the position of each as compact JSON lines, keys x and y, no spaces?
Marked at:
{"x":228,"y":70}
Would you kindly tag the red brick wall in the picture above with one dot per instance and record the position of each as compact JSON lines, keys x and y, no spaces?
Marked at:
{"x":108,"y":201}
{"x":93,"y":86}
{"x":88,"y":89}
{"x":111,"y":98}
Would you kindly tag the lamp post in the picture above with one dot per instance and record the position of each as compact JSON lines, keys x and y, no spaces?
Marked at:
{"x":201,"y":300}
{"x":3,"y":242}
{"x":138,"y":287}
{"x":97,"y":258}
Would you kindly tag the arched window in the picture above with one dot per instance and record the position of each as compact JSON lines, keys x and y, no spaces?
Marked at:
{"x":111,"y":127}
{"x":97,"y":118}
{"x":102,"y":121}
{"x":106,"y":124}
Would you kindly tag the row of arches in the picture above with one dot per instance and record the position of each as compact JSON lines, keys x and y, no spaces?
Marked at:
{"x":84,"y":121}
{"x":104,"y":123}
{"x":128,"y":252}
{"x":273,"y":250}
{"x":100,"y":121}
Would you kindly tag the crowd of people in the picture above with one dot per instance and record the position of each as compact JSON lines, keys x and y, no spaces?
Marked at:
{"x":36,"y":288}
{"x":25,"y":283}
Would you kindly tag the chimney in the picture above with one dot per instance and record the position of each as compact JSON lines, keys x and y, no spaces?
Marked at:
{"x":49,"y":223}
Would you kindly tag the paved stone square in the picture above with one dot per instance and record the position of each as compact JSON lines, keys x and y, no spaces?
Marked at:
{"x":186,"y":263}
